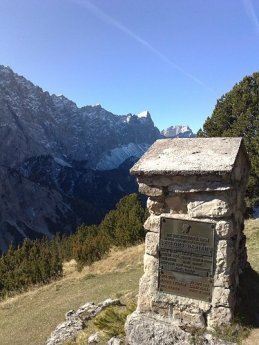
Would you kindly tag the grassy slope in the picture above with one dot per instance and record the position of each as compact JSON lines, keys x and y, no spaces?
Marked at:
{"x":29,"y":318}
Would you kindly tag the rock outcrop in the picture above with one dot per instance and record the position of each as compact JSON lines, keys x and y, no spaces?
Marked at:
{"x":77,"y":320}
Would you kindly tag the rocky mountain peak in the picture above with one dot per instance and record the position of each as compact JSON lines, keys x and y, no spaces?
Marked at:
{"x":144,"y":114}
{"x":62,"y":165}
{"x":178,"y":131}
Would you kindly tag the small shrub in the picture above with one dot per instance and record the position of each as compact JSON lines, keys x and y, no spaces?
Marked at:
{"x":112,"y":320}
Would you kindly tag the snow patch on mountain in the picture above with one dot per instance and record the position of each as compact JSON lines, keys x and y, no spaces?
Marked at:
{"x":115,"y":157}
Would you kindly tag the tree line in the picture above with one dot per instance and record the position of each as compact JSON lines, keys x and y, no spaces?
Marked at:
{"x":40,"y":261}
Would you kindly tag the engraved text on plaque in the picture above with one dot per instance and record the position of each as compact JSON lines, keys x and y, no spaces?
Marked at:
{"x":186,"y":259}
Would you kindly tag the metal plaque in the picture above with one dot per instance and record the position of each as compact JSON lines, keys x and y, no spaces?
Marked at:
{"x":186,"y":258}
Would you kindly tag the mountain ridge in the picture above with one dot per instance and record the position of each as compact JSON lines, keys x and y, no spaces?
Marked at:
{"x":71,"y":162}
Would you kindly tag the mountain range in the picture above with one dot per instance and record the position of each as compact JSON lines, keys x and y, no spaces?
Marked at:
{"x":61,"y":165}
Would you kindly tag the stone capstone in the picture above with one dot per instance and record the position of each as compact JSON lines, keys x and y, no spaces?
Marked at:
{"x":198,"y":156}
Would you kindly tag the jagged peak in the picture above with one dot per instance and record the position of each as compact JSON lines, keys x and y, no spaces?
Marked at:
{"x":62,"y":100}
{"x":6,"y":69}
{"x":177,"y":131}
{"x":144,"y":114}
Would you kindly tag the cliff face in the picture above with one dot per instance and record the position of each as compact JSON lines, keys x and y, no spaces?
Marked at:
{"x":61,"y":165}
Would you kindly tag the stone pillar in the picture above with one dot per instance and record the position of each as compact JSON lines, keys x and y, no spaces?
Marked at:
{"x":195,"y":246}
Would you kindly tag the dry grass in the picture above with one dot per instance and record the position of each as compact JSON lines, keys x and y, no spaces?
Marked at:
{"x":29,"y":318}
{"x":252,"y":233}
{"x":117,"y":261}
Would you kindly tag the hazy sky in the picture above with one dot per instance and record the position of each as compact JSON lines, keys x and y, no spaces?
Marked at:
{"x":174,"y":58}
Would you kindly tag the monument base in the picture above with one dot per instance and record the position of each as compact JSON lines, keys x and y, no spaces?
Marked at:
{"x":145,"y":328}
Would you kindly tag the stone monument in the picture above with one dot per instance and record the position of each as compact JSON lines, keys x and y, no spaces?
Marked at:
{"x":194,"y":246}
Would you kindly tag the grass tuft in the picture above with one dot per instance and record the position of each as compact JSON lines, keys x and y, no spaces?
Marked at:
{"x":112,"y":320}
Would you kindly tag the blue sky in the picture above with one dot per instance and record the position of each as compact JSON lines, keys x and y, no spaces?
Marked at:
{"x":173,"y":58}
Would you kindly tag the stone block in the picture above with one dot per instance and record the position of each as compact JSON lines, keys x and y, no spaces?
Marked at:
{"x":162,"y":309}
{"x":225,"y":229}
{"x":147,"y":290}
{"x":152,"y":223}
{"x":151,"y":243}
{"x":161,"y":181}
{"x":225,"y":257}
{"x":176,"y":204}
{"x":155,"y":207}
{"x":150,"y":264}
{"x":182,"y":303}
{"x":202,"y":185}
{"x":209,"y":206}
{"x":224,"y":280}
{"x":143,"y":329}
{"x":187,"y":319}
{"x":150,"y":191}
{"x":223,"y":297}
{"x":217,"y":317}
{"x":148,"y":283}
